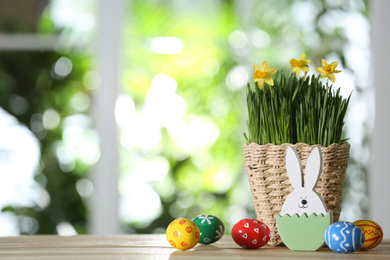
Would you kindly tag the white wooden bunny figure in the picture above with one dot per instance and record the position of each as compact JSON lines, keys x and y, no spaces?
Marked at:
{"x":304,"y":217}
{"x":303,"y":199}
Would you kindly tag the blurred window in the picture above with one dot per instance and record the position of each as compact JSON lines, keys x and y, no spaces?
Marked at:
{"x":181,"y":110}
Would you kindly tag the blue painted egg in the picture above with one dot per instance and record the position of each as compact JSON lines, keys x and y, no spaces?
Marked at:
{"x":344,"y":237}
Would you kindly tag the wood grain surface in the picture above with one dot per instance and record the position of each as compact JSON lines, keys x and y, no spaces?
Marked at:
{"x":156,"y":247}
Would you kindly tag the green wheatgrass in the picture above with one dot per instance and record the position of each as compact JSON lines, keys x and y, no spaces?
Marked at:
{"x":295,"y":110}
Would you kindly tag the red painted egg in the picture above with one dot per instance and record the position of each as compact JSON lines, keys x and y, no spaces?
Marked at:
{"x":250,"y":233}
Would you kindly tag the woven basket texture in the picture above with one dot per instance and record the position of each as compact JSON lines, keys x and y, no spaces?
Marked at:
{"x":269,"y":183}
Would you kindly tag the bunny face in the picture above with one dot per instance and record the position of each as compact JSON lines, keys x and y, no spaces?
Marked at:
{"x":303,"y":199}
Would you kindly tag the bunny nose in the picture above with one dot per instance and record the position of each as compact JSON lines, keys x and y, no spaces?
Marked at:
{"x":304,"y":202}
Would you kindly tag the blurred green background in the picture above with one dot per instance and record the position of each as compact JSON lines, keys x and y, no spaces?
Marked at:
{"x":181,"y":112}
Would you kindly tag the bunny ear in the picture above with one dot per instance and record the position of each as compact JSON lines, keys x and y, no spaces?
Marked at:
{"x":294,"y":168}
{"x":313,"y":168}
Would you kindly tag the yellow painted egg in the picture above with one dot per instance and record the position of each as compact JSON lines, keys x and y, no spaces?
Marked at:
{"x":183,"y":234}
{"x":372,"y":232}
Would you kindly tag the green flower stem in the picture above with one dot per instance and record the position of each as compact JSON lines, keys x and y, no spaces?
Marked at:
{"x":304,"y":76}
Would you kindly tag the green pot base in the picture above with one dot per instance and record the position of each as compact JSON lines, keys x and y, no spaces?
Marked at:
{"x":303,"y":233}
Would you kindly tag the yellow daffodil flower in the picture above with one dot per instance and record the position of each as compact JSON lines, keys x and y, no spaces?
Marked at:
{"x":328,"y":70}
{"x":300,"y":64}
{"x":263,"y":74}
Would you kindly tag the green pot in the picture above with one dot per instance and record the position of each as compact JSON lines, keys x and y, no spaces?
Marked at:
{"x":303,"y":233}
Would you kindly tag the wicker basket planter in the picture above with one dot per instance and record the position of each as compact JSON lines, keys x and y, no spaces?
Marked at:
{"x":270,"y":185}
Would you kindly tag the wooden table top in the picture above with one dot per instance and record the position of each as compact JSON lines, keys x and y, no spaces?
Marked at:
{"x":156,"y":247}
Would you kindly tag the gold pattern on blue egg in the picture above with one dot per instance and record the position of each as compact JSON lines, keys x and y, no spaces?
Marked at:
{"x":344,"y":237}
